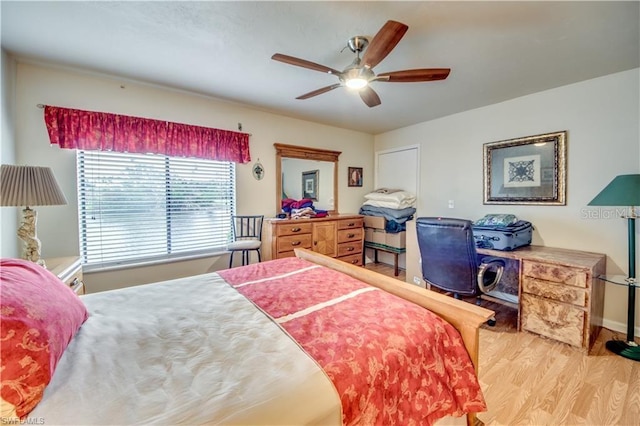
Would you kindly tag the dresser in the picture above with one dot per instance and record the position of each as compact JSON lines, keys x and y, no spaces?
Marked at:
{"x":339,"y":236}
{"x":69,"y":270}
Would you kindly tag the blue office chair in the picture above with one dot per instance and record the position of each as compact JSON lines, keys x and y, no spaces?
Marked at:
{"x":247,"y":237}
{"x":450,"y":261}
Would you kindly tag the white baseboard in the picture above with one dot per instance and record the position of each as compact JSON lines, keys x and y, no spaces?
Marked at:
{"x":619,"y":327}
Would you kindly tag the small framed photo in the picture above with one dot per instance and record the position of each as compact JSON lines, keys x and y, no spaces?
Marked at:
{"x":355,"y":176}
{"x":310,"y":184}
{"x":529,"y":170}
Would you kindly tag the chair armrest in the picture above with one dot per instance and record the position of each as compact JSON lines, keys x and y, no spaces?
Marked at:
{"x":492,"y":268}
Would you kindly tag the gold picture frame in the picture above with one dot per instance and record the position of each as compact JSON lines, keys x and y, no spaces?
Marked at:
{"x":528,"y":170}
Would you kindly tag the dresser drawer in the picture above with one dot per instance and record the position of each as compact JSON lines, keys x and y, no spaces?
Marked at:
{"x":350,"y":223}
{"x":552,"y":319}
{"x":284,"y":254}
{"x":346,"y":235}
{"x":555,"y":273}
{"x":354,"y":247}
{"x":291,"y":242}
{"x":293,"y":229}
{"x":355,"y":259}
{"x":555,"y":291}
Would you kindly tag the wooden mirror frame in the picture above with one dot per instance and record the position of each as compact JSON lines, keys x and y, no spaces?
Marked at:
{"x":305,"y":153}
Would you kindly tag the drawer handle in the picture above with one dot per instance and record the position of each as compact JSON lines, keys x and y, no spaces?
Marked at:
{"x":296,"y":229}
{"x":553,"y":324}
{"x":295,"y":243}
{"x":351,"y":235}
{"x":351,"y":224}
{"x":350,"y":249}
{"x":354,"y":261}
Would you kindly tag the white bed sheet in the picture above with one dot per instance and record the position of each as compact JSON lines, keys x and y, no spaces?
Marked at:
{"x":188,"y":351}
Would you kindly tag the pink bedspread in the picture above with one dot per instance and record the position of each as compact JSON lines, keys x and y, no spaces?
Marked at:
{"x":391,"y":361}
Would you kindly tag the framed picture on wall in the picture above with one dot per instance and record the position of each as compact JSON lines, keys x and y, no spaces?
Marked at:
{"x":528,"y":170}
{"x":310,"y":185}
{"x":355,"y":176}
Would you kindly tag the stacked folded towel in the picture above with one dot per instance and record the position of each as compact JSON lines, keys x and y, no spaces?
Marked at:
{"x":396,"y":206}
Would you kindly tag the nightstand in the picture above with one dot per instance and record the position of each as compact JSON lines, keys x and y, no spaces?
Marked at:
{"x":69,"y":270}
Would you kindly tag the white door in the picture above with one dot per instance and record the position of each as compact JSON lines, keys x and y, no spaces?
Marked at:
{"x":397,"y":168}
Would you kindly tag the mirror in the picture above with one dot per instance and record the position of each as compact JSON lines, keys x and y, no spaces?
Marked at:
{"x":296,"y":168}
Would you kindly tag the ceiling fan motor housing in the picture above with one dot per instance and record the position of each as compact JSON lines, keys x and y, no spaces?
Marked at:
{"x":357,"y":44}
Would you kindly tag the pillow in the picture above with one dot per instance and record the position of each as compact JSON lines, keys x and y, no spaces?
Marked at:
{"x":39,"y":315}
{"x":386,"y":190}
{"x":497,"y":220}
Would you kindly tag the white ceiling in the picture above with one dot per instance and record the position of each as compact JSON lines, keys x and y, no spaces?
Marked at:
{"x":496,"y":50}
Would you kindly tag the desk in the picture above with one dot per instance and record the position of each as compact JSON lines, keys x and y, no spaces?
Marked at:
{"x":560,"y":295}
{"x":393,"y":250}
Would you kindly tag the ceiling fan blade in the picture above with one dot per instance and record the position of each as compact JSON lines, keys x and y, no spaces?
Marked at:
{"x":319,"y":91}
{"x":370,"y":97}
{"x":303,"y":63}
{"x":417,"y":75}
{"x":383,"y":43}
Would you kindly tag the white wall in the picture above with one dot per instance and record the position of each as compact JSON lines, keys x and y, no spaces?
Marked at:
{"x":58,"y":226}
{"x":9,"y":246}
{"x":602,"y":120}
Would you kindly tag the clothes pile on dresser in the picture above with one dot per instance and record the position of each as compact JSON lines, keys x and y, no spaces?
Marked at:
{"x":298,"y":209}
{"x":395,"y":205}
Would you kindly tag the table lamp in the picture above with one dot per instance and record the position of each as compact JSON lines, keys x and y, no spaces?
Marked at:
{"x":29,"y":186}
{"x":624,"y":190}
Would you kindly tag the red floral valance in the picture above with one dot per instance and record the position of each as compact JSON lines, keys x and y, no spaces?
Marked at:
{"x":101,"y":131}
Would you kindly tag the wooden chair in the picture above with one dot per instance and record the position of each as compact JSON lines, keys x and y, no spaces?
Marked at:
{"x":247,"y":237}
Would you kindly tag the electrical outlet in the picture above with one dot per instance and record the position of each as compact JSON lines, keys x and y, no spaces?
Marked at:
{"x":416,"y":280}
{"x":451,"y":204}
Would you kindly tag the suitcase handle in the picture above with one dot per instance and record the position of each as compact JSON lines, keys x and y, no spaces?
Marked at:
{"x":485,"y":238}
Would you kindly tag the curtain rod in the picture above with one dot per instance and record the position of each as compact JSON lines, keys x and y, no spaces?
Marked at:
{"x":41,"y":106}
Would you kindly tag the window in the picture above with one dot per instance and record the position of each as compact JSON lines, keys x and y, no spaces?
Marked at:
{"x":138,"y":208}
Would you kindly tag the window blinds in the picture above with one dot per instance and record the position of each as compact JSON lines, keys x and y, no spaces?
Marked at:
{"x":136,"y":208}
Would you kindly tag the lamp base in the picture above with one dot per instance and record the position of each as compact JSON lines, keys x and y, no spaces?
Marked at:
{"x":27,"y":233}
{"x":624,"y":349}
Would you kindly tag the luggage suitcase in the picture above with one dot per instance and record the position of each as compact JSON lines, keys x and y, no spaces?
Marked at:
{"x":505,"y":238}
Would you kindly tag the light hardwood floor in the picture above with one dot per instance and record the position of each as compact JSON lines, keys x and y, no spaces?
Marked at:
{"x":531,"y":380}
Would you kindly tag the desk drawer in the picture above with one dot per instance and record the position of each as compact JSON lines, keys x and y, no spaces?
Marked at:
{"x":346,"y":235}
{"x":294,"y":241}
{"x":550,"y":290}
{"x":354,"y":247}
{"x":293,"y":229}
{"x":552,"y":319}
{"x":555,"y":273}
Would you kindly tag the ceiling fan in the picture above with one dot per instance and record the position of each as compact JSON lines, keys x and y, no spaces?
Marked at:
{"x":360,"y":73}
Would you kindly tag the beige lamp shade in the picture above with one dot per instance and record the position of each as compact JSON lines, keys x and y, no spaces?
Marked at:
{"x":29,"y":186}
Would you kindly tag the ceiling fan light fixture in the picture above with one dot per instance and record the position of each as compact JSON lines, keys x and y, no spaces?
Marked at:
{"x":356,"y":83}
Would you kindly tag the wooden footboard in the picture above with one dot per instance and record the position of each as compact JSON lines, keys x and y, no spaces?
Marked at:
{"x":465,"y":317}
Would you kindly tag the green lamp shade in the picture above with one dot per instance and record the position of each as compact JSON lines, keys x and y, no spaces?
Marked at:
{"x":624,"y":190}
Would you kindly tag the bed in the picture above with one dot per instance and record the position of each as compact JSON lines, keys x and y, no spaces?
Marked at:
{"x":304,"y":340}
